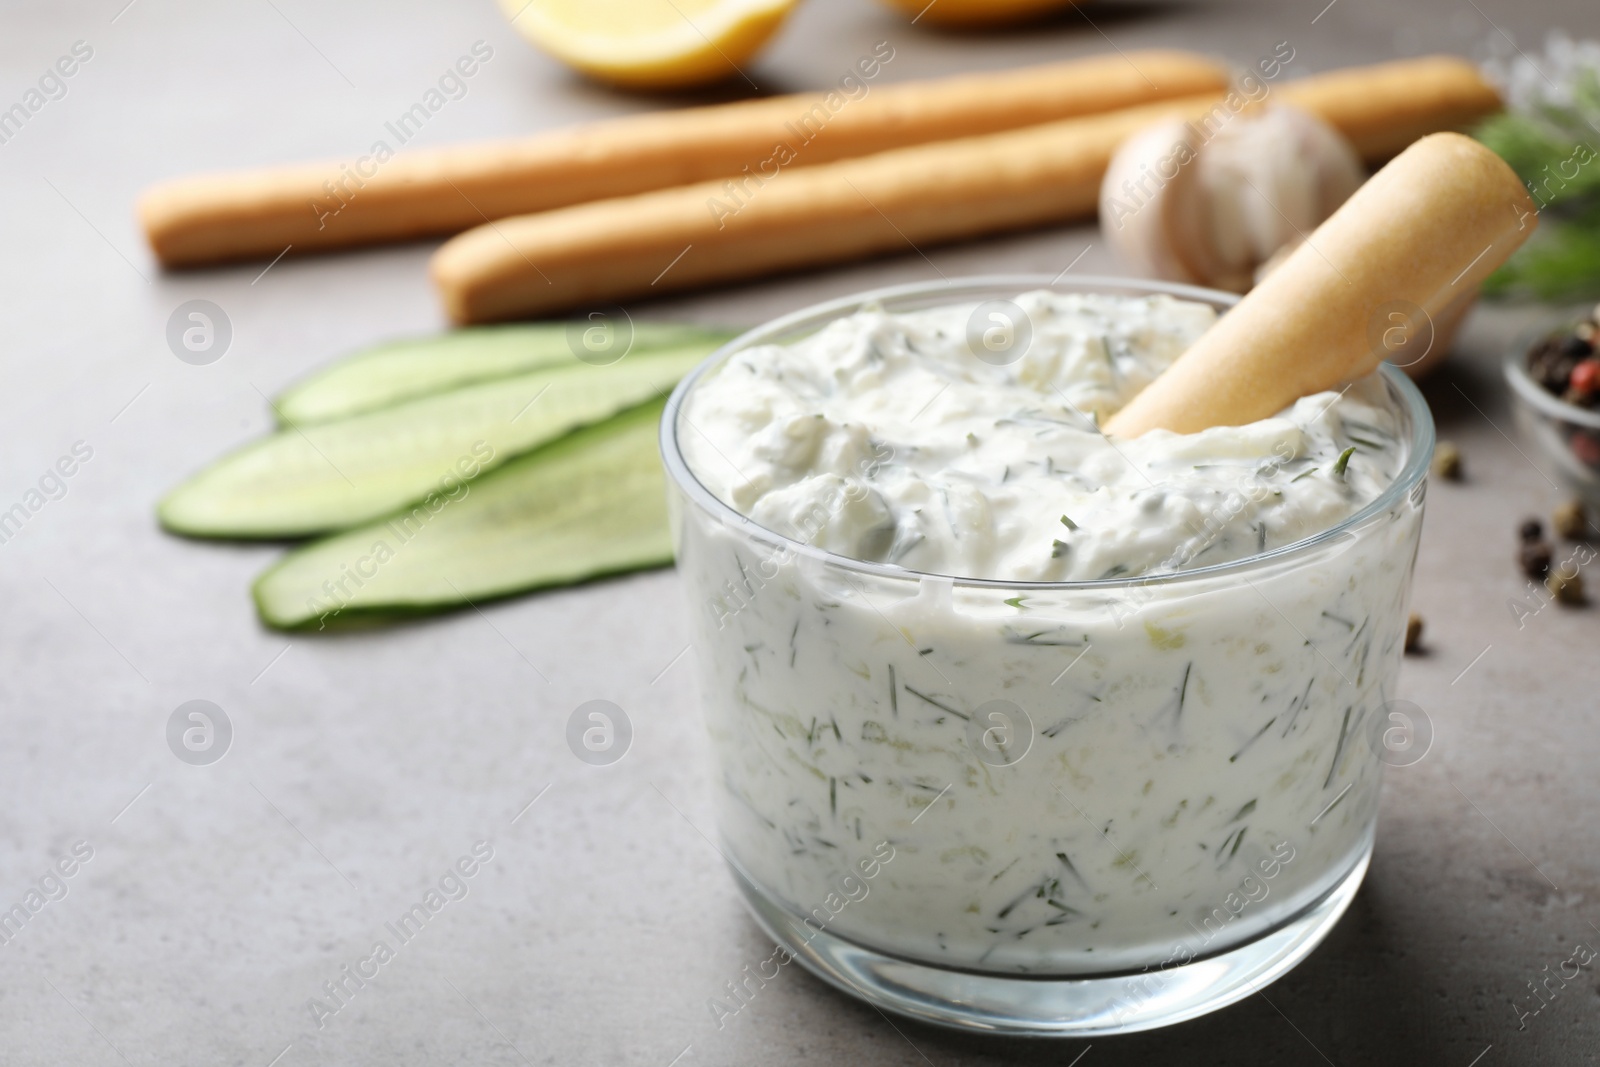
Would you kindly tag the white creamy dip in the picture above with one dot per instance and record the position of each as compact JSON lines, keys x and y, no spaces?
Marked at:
{"x":949,"y":465}
{"x":1073,"y":780}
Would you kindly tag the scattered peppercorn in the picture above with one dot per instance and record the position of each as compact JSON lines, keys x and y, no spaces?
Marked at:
{"x":1566,"y":588}
{"x":1447,"y":461}
{"x":1530,"y":530}
{"x":1571,"y":521}
{"x":1534,"y":559}
{"x":1414,"y":633}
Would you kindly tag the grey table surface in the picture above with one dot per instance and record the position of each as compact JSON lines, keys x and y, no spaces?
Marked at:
{"x":219,"y":899}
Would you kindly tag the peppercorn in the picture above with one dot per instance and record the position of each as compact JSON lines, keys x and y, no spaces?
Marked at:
{"x":1534,"y":559}
{"x":1530,"y":530}
{"x":1567,"y":364}
{"x":1585,"y":377}
{"x":1571,"y":521}
{"x":1549,"y":365}
{"x":1585,"y":447}
{"x":1414,"y":633}
{"x":1447,"y":461}
{"x":1566,"y":588}
{"x":1573,"y":345}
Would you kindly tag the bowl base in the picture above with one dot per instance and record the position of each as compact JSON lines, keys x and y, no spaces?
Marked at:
{"x":1080,"y":1006}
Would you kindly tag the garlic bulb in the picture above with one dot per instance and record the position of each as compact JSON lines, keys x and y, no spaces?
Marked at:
{"x":1209,"y":202}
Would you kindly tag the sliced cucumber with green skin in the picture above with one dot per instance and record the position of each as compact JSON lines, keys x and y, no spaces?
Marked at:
{"x":316,"y":479}
{"x":404,"y":370}
{"x":590,"y":504}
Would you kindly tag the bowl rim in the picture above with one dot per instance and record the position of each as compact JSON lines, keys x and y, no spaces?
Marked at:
{"x":1411,"y":475}
{"x":1515,"y":368}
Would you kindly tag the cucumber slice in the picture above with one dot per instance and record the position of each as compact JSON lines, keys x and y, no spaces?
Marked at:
{"x":592,"y":503}
{"x":315,"y":479}
{"x":404,"y":370}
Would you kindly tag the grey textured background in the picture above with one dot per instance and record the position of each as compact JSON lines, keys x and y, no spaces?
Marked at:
{"x":220,"y":900}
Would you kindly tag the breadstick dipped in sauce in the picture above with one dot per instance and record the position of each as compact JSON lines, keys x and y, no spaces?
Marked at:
{"x":1432,"y":224}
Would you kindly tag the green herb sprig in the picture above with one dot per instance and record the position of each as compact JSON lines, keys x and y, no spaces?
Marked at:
{"x":1550,"y":135}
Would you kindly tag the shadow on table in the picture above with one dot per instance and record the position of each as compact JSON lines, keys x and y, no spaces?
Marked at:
{"x":1356,"y":1000}
{"x":1085,"y":16}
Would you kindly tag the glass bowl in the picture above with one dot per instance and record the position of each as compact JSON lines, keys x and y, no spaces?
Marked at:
{"x":1565,"y":437}
{"x":1071,"y":808}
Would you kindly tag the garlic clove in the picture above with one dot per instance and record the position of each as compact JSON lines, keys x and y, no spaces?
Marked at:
{"x":1137,"y":199}
{"x":1224,"y":205}
{"x":1209,"y":204}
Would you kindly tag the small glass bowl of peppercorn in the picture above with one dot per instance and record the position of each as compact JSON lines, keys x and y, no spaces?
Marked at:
{"x":1555,"y":399}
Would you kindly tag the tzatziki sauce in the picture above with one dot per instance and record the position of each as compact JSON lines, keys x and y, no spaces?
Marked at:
{"x":1132,"y":770}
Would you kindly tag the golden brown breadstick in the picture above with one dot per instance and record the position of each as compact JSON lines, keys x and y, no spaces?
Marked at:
{"x":1383,"y":108}
{"x":1425,"y":229}
{"x":680,"y":238}
{"x":214,"y":218}
{"x":614,"y":249}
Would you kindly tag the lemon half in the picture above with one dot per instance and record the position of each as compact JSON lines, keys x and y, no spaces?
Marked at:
{"x":650,"y":44}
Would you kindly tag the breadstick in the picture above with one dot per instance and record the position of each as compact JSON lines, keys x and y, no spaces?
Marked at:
{"x":892,"y":201}
{"x":685,"y":237}
{"x":1381,"y":109}
{"x":1426,"y":228}
{"x":213,"y":218}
